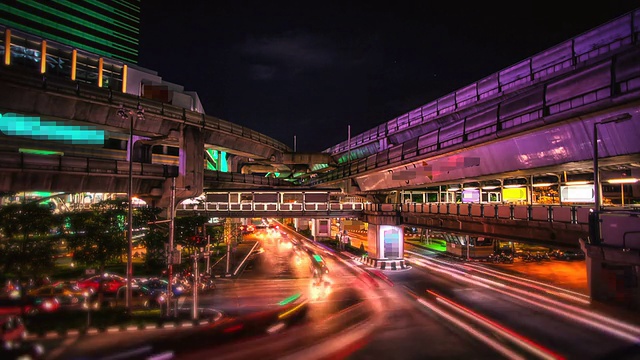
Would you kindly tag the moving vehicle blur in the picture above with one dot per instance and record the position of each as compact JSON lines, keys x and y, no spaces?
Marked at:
{"x":320,"y":288}
{"x":12,"y":330}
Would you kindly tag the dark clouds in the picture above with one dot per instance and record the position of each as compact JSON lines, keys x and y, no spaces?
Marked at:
{"x":310,"y":69}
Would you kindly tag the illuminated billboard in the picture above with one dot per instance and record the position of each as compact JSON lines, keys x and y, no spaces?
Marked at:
{"x":514,"y":194}
{"x":470,"y":196}
{"x":577,"y":193}
{"x":391,"y":239}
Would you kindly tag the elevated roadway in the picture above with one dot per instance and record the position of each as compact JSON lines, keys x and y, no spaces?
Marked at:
{"x":535,"y":117}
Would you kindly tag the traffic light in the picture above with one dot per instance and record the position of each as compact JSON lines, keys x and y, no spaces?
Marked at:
{"x":198,"y":240}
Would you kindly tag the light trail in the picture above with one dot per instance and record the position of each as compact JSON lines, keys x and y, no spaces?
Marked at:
{"x":522,"y":341}
{"x":508,"y":353}
{"x":603,"y":323}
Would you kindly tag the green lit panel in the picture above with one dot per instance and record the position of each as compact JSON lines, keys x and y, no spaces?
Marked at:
{"x":66,"y":29}
{"x":40,"y":194}
{"x":222,"y":162}
{"x":99,"y":16}
{"x":50,"y":36}
{"x":40,"y":152}
{"x":317,"y":258}
{"x":318,"y":167}
{"x":32,"y":127}
{"x":217,"y":160}
{"x":82,"y":22}
{"x":114,"y":10}
{"x":212,"y":159}
{"x":108,"y":28}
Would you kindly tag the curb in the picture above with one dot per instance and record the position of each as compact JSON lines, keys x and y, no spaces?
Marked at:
{"x":169,"y":325}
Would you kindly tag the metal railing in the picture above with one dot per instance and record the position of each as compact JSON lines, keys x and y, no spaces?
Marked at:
{"x":250,"y":207}
{"x":543,"y":213}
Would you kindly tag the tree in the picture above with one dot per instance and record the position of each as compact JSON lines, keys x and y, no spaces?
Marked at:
{"x":28,"y":248}
{"x":155,"y":239}
{"x":186,"y":227}
{"x":97,"y":237}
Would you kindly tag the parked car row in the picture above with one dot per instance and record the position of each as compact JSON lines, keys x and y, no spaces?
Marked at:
{"x":567,"y":255}
{"x":95,"y":291}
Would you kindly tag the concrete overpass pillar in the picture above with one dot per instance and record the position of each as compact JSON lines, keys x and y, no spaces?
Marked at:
{"x":612,"y":275}
{"x":385,"y":240}
{"x":190,"y":179}
{"x":321,"y":228}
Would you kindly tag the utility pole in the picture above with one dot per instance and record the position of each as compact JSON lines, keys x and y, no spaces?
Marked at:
{"x":227,"y":238}
{"x":196,"y":278}
{"x":349,"y":142}
{"x":170,"y":259}
{"x":128,"y":115}
{"x":208,"y":270}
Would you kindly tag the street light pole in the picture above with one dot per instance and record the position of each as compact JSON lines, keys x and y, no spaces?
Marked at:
{"x":128,"y":114}
{"x":349,"y":143}
{"x":172,"y":215}
{"x":596,"y":171}
{"x":130,"y":217}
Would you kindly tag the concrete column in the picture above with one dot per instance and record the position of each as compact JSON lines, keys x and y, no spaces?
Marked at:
{"x":191,"y":171}
{"x":600,"y":282}
{"x":385,"y":246}
{"x":321,"y":228}
{"x":190,"y":180}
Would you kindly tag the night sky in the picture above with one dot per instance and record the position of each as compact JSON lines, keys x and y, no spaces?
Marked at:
{"x":311,"y":68}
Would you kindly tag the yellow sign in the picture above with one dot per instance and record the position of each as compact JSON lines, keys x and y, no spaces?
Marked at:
{"x":514,"y":194}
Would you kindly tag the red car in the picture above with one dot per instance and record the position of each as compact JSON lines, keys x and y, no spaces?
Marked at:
{"x":109,"y":283}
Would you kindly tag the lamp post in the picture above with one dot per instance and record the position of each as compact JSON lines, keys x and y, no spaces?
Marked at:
{"x":124,"y":114}
{"x":172,"y":216}
{"x":348,"y":143}
{"x":596,"y":171}
{"x":172,"y":258}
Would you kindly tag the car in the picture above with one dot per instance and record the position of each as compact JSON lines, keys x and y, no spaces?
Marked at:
{"x":29,"y":304}
{"x":157,"y":284}
{"x":141,"y":297}
{"x":247,"y":229}
{"x":67,"y":293}
{"x":109,"y":283}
